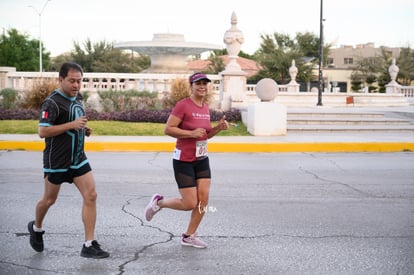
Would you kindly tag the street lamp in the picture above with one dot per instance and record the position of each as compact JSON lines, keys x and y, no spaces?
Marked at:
{"x":40,"y":33}
{"x":320,"y":57}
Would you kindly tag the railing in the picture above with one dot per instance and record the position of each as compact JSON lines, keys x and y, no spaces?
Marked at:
{"x":408,"y":92}
{"x":103,"y":81}
{"x":93,"y":82}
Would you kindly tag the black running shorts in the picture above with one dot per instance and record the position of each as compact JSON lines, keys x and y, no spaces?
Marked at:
{"x":61,"y":177}
{"x":187,"y":173}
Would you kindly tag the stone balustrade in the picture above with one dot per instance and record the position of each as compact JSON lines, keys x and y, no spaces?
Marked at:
{"x":408,"y":92}
{"x":94,"y":82}
{"x":160,"y":83}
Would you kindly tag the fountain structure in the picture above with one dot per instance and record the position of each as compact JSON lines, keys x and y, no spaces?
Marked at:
{"x":169,"y":52}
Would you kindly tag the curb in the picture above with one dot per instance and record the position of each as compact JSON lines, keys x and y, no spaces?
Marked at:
{"x":227,"y":147}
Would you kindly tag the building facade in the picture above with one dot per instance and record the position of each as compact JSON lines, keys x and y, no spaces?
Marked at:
{"x":343,"y":60}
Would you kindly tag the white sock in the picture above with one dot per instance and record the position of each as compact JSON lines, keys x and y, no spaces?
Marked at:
{"x":35,"y":229}
{"x":88,"y":243}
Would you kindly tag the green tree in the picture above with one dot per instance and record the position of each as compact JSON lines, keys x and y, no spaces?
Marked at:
{"x":216,"y":63}
{"x":405,"y":63}
{"x":244,"y":55}
{"x":277,"y":51}
{"x":373,"y":71}
{"x":90,"y":54}
{"x":308,"y":44}
{"x":356,"y":81}
{"x":102,"y":56}
{"x":57,"y":61}
{"x":369,"y":69}
{"x":19,"y":51}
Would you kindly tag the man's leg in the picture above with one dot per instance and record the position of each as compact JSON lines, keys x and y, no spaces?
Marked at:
{"x":50,"y":195}
{"x":86,"y":186}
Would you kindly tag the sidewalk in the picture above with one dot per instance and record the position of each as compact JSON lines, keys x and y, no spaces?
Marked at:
{"x":376,"y":141}
{"x":293,"y":142}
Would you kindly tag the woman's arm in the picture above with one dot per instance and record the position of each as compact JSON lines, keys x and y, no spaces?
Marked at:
{"x":172,"y":129}
{"x":222,"y":125}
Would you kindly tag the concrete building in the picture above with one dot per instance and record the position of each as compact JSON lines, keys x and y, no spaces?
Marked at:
{"x":343,"y":60}
{"x":346,"y":56}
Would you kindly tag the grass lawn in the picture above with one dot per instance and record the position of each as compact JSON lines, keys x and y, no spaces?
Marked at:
{"x":111,"y":128}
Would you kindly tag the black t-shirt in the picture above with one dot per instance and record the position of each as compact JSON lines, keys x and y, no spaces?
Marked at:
{"x":65,"y":150}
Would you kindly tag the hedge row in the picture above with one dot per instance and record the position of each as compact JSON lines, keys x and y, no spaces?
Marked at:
{"x":156,"y":116}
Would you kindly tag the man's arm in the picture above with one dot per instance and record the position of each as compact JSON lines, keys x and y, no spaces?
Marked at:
{"x":55,"y":130}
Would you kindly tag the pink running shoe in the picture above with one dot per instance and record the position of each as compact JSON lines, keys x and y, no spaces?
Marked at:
{"x":193,"y":241}
{"x":152,"y":207}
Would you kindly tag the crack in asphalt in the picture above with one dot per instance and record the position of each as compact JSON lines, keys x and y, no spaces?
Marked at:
{"x":359,"y":191}
{"x":366,"y":194}
{"x":122,"y":267}
{"x":314,"y":237}
{"x":316,"y":176}
{"x":31,"y":267}
{"x":334,"y":163}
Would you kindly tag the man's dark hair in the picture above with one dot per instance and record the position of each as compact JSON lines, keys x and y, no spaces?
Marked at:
{"x":64,"y":69}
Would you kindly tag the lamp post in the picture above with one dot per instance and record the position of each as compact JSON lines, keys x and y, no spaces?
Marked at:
{"x":40,"y":33}
{"x":320,"y":78}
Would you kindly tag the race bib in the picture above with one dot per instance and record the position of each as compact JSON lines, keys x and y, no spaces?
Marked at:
{"x":177,"y":154}
{"x":201,"y":148}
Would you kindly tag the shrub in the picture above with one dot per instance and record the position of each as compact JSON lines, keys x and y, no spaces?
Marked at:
{"x":19,"y":114}
{"x":180,"y":89}
{"x":115,"y":101}
{"x":231,"y":115}
{"x":155,"y":116}
{"x":10,"y":97}
{"x":92,"y":114}
{"x":85,"y":96}
{"x":40,"y":90}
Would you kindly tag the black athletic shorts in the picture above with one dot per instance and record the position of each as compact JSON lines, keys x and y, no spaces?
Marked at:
{"x":187,"y":173}
{"x":61,"y":177}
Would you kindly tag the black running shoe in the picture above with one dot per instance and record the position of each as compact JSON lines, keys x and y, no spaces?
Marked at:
{"x":94,"y":251}
{"x":36,"y":238}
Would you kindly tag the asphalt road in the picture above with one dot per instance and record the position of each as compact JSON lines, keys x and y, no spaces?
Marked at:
{"x":269,"y":213}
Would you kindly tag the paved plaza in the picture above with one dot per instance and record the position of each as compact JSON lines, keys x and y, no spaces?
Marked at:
{"x":269,"y":213}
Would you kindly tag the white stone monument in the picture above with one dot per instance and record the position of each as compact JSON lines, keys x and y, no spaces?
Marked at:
{"x":267,"y":118}
{"x":233,"y":82}
{"x":393,"y":86}
{"x":293,"y":86}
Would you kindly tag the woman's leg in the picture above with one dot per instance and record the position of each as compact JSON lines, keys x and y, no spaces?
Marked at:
{"x":188,"y":200}
{"x":203,"y":190}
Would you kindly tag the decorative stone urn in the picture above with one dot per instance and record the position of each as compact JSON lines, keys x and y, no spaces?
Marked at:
{"x":393,"y":71}
{"x":293,"y":71}
{"x":393,"y":87}
{"x":266,"y":89}
{"x":233,"y":38}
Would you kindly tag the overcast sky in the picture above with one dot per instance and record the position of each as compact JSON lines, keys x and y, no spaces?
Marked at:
{"x":347,"y":22}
